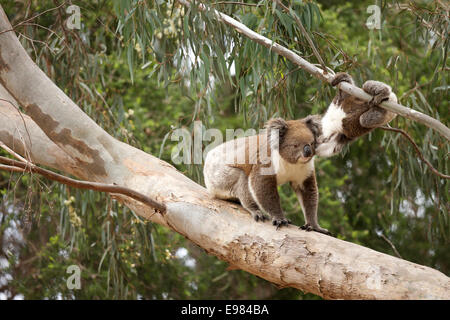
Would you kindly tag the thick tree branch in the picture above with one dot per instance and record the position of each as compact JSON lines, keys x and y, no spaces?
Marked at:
{"x":320,"y":74}
{"x":309,"y":261}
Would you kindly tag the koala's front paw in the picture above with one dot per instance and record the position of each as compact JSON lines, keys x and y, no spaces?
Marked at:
{"x":279,"y":222}
{"x":308,"y":227}
{"x":379,"y":90}
{"x":374,"y":117}
{"x":341,"y":77}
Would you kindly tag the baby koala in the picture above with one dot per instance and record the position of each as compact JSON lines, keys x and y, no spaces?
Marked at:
{"x":348,"y":117}
{"x":249,"y":169}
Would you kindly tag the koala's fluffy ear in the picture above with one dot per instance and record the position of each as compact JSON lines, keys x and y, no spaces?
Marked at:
{"x":314,"y":123}
{"x":276,"y":124}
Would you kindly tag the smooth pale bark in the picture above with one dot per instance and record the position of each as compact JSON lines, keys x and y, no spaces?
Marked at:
{"x":309,"y":261}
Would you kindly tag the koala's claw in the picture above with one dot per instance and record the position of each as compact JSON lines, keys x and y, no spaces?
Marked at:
{"x":376,"y":100}
{"x":341,"y":77}
{"x":259,"y":216}
{"x":308,"y":227}
{"x":280,"y":222}
{"x":379,"y":90}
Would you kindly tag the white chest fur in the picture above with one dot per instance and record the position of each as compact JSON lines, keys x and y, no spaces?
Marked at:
{"x":291,"y":172}
{"x":332,"y":120}
{"x":331,"y":124}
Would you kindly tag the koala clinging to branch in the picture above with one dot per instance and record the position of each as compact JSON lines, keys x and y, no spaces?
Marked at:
{"x":348,"y":117}
{"x":249,"y":169}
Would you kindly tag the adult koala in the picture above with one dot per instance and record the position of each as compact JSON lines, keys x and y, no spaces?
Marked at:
{"x":249,"y":169}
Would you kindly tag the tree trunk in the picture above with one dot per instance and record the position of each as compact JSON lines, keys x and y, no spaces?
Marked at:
{"x":57,"y":133}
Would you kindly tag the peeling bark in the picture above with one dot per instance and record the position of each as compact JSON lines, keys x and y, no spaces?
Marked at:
{"x":20,"y":133}
{"x":59,"y":135}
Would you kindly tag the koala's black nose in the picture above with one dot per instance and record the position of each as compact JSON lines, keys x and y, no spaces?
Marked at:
{"x":307,"y":151}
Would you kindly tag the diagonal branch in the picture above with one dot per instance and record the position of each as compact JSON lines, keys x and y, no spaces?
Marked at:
{"x":327,"y":77}
{"x":20,"y":166}
{"x":407,"y":136}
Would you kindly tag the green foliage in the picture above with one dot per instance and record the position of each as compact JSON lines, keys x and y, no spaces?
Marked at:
{"x":144,"y":68}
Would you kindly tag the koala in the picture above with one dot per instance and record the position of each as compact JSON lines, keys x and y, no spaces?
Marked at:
{"x":348,"y":117}
{"x":283,"y":154}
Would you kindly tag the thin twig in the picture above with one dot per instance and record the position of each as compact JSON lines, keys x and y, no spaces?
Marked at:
{"x":285,"y":77}
{"x":39,"y":14}
{"x":18,"y":166}
{"x":11,"y":152}
{"x":38,"y":41}
{"x":417,"y":150}
{"x":238,"y":3}
{"x":27,"y":153}
{"x":5,"y":167}
{"x":45,"y":28}
{"x":32,"y":18}
{"x":391,"y":244}
{"x":416,"y":87}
